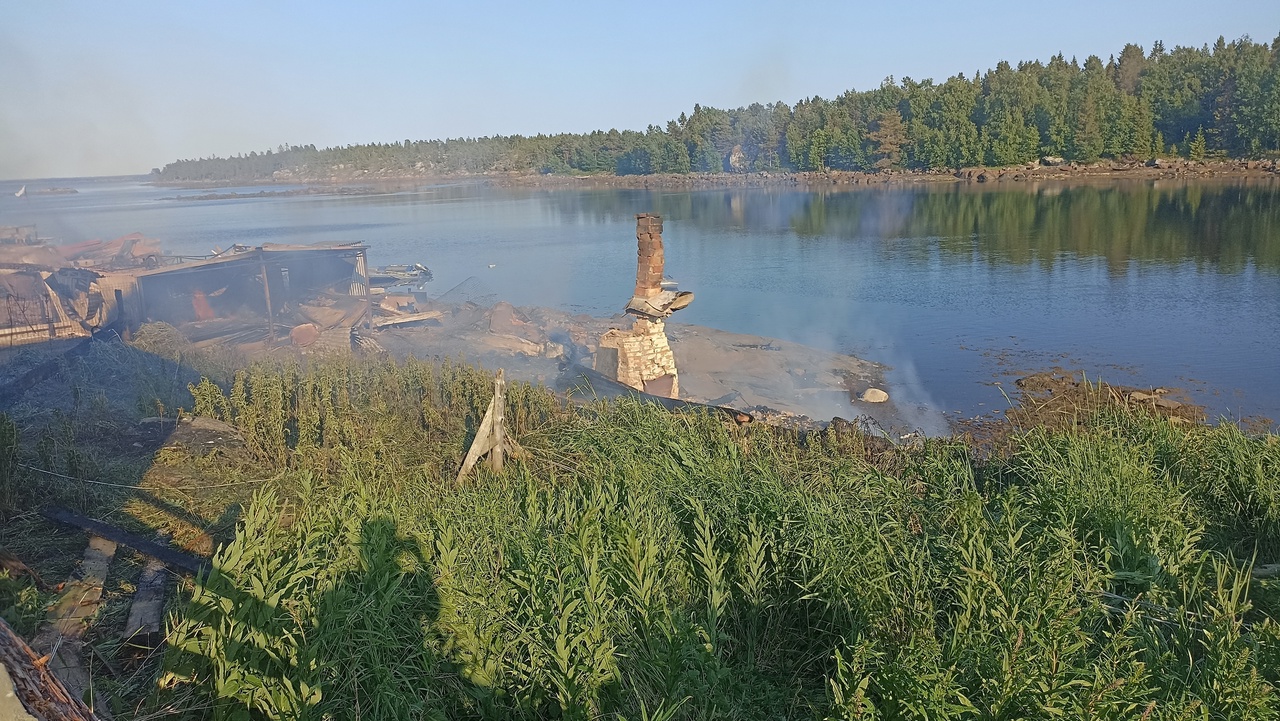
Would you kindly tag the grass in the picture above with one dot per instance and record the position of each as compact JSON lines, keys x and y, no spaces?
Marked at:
{"x":644,"y":565}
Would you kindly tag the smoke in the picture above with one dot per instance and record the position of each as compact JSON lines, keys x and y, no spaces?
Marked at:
{"x":70,"y":118}
{"x":766,"y":76}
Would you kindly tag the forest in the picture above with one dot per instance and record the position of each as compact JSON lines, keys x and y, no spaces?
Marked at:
{"x":1214,"y":101}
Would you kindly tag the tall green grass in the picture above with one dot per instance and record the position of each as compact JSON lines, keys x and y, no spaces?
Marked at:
{"x":643,"y":565}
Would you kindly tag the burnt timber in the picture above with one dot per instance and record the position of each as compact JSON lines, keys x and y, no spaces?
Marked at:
{"x":245,"y":293}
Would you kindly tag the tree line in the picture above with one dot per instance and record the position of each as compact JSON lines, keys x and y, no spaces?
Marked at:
{"x":1214,"y":101}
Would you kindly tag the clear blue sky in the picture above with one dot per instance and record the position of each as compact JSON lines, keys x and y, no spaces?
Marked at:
{"x":92,"y":88}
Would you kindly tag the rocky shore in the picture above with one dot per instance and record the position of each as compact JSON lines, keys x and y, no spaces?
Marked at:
{"x":1048,"y":169}
{"x":337,"y":179}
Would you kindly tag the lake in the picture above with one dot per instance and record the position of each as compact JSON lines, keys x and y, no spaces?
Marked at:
{"x":961,"y":288}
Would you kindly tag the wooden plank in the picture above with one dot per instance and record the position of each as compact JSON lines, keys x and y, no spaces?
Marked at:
{"x":170,"y":557}
{"x":60,"y":640}
{"x":144,"y":628}
{"x":609,"y":388}
{"x":82,"y":593}
{"x":492,"y":437}
{"x":481,"y":445}
{"x":407,"y":318}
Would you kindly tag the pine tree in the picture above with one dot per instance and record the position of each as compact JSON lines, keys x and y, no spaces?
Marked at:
{"x":887,"y":136}
{"x":1143,"y":124}
{"x":1086,"y":141}
{"x":1195,"y":149}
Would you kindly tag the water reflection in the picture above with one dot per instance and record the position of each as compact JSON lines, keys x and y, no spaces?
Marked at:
{"x":1221,"y":225}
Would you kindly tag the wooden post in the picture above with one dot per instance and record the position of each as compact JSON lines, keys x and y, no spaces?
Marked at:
{"x":491,"y":437}
{"x":499,"y":409}
{"x":266,"y":289}
{"x":362,"y":269}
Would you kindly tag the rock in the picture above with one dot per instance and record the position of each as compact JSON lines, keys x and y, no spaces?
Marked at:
{"x":304,"y":335}
{"x":1052,"y":161}
{"x":1167,"y":404}
{"x":1140,"y":396}
{"x":873,"y":395}
{"x":984,"y":176}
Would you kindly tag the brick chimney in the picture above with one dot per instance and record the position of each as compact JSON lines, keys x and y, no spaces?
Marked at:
{"x":649,"y":258}
{"x":641,"y":356}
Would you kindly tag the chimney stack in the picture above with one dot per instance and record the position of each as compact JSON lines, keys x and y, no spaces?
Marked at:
{"x":641,"y":356}
{"x":649,"y":261}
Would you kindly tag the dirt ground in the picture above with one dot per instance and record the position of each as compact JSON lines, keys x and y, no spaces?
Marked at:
{"x":785,"y":382}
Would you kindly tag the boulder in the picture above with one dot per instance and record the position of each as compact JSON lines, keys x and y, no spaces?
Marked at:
{"x":873,"y":395}
{"x":304,"y":335}
{"x":1052,"y":161}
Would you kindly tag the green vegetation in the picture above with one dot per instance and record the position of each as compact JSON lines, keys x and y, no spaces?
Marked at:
{"x":645,"y":565}
{"x":1125,"y":107}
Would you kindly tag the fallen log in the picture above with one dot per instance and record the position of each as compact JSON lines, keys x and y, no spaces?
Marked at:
{"x":40,"y":692}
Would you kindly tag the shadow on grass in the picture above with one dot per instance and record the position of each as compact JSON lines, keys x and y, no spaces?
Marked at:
{"x":296,"y":646}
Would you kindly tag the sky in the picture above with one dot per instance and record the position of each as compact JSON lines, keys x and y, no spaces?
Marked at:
{"x":97,"y":88}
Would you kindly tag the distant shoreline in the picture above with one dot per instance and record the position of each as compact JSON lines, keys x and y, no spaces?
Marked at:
{"x":1163,"y":169}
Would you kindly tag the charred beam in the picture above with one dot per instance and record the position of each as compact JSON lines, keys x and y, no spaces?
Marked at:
{"x":171,"y":557}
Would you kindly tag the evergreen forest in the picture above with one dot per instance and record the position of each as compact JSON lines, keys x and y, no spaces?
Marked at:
{"x":1214,"y":101}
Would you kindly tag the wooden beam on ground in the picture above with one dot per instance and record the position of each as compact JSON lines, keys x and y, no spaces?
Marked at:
{"x":1267,"y":571}
{"x":144,"y":629}
{"x":407,"y":318}
{"x":170,"y":557}
{"x":60,"y":639}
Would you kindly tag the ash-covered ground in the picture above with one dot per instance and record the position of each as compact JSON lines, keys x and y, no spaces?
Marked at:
{"x":774,"y":380}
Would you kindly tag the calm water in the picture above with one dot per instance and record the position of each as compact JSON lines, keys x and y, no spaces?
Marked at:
{"x":958,"y":288}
